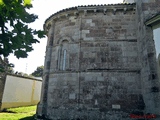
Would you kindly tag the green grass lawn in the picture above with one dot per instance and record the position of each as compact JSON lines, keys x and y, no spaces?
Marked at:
{"x":20,"y":113}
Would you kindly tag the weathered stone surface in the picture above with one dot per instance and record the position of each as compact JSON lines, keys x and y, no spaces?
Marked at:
{"x":99,"y":64}
{"x":4,"y":65}
{"x":147,"y":9}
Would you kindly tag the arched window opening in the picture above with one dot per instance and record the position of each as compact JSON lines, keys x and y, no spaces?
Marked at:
{"x":64,"y":59}
{"x":59,"y":59}
{"x":65,"y":42}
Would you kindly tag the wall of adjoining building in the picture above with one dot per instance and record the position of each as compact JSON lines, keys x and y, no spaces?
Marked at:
{"x":147,"y":52}
{"x":20,"y":91}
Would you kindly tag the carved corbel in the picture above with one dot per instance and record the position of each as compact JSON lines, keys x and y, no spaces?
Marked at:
{"x":134,"y":9}
{"x":114,"y":11}
{"x":125,"y":9}
{"x":95,"y":11}
{"x":58,"y":17}
{"x":104,"y":11}
{"x":67,"y":15}
{"x":85,"y":12}
{"x":76,"y":14}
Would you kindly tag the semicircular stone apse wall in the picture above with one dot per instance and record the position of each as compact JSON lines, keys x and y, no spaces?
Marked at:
{"x":92,"y":65}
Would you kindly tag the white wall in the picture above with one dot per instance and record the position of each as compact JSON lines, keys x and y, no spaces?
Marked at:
{"x":37,"y":91}
{"x":20,"y":91}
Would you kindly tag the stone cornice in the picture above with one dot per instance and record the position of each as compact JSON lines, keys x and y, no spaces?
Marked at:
{"x":75,"y":11}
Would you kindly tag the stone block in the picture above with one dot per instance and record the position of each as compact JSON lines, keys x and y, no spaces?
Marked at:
{"x":116,"y":107}
{"x":72,"y":96}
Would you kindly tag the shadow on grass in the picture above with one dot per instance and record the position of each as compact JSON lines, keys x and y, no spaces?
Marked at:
{"x":28,"y":118}
{"x":8,"y":111}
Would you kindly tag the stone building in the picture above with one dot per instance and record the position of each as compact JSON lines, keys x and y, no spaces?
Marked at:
{"x":101,"y":62}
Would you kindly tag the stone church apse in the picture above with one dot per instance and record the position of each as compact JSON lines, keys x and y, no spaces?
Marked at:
{"x":93,"y":64}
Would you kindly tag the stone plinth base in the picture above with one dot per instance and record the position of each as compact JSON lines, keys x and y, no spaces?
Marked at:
{"x":92,"y":114}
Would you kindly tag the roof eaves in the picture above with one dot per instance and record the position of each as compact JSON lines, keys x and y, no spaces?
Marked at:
{"x":153,"y":20}
{"x":76,"y":8}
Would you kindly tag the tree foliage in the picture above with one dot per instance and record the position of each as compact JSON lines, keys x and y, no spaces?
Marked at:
{"x":15,"y":35}
{"x":10,"y":70}
{"x":38,"y":72}
{"x":5,"y":66}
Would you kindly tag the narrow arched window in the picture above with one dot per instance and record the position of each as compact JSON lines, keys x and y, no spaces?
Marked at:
{"x":59,"y":59}
{"x":64,"y":59}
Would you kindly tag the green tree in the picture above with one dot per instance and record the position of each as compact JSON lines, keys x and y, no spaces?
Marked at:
{"x":10,"y":70}
{"x":15,"y":35}
{"x":38,"y":72}
{"x":5,"y":66}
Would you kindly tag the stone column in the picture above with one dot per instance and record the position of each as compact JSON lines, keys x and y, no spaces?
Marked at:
{"x":3,"y":76}
{"x":42,"y":106}
{"x":2,"y":85}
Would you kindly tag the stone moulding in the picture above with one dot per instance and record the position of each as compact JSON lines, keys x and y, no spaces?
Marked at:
{"x":64,"y":38}
{"x":75,"y":11}
{"x":153,"y":21}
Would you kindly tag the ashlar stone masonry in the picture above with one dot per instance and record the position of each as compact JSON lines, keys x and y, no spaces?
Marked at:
{"x":94,"y":63}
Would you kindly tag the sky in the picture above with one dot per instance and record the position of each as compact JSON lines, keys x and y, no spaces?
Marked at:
{"x":44,"y":9}
{"x":157,"y":41}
